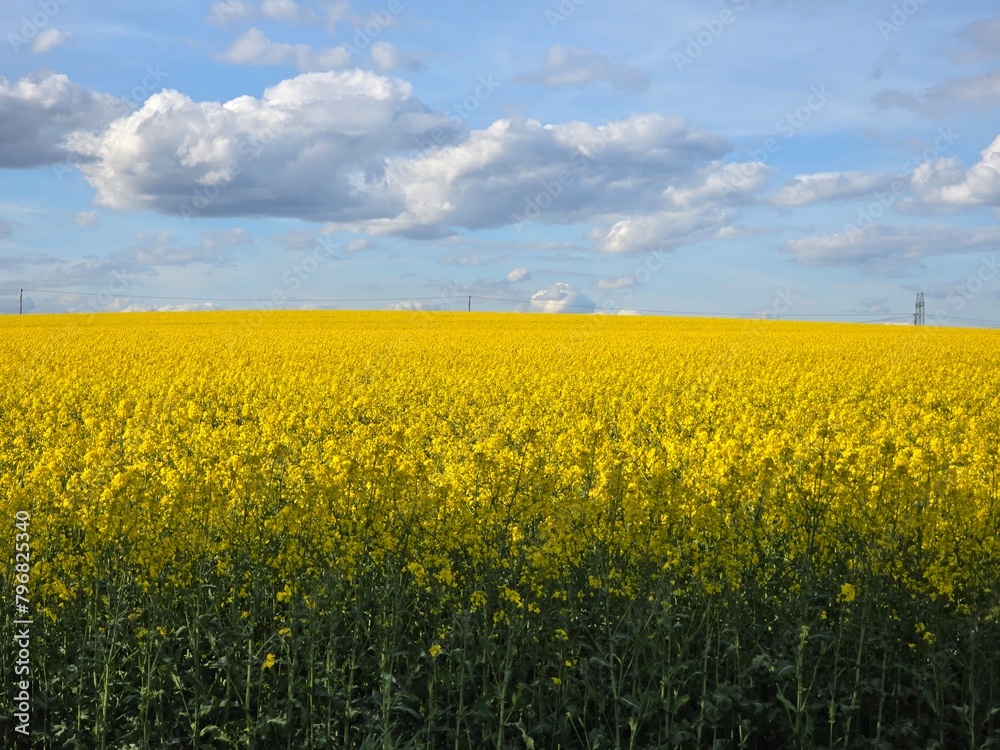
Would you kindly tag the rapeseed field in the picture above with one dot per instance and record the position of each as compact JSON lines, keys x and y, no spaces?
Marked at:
{"x":455,"y":530}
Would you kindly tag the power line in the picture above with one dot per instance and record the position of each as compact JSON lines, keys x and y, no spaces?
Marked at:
{"x":974,"y":320}
{"x":682,"y":313}
{"x":227,"y":299}
{"x":703,"y":313}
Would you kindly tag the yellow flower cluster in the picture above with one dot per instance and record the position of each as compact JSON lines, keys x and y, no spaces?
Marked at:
{"x":710,"y":454}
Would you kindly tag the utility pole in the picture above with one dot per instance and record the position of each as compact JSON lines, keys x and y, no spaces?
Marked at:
{"x":918,"y":315}
{"x":20,"y":304}
{"x":470,"y":303}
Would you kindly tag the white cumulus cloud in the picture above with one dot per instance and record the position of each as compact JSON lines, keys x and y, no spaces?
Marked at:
{"x":313,"y":146}
{"x":561,"y":297}
{"x":514,"y":171}
{"x":944,"y":182}
{"x":359,"y":151}
{"x":39,"y":112}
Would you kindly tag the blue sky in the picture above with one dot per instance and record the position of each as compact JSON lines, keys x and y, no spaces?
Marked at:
{"x":807,"y":158}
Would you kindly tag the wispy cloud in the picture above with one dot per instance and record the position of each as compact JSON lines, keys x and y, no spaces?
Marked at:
{"x":254,"y":48}
{"x":978,"y":91}
{"x":582,"y":67}
{"x":891,"y":249}
{"x":49,"y":39}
